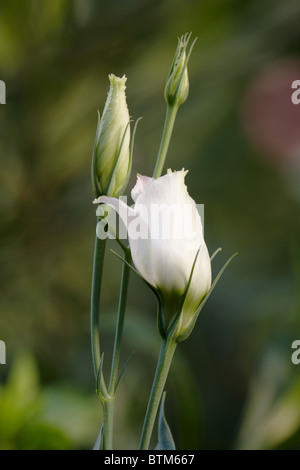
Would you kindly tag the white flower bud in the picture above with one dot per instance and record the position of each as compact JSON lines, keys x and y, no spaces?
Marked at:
{"x":171,"y":236}
{"x":111,"y":158}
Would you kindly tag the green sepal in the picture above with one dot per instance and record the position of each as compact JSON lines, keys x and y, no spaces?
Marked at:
{"x":121,"y":190}
{"x":130,"y":157}
{"x":112,"y":175}
{"x":97,"y":190}
{"x":174,"y":324}
{"x":183,"y":336}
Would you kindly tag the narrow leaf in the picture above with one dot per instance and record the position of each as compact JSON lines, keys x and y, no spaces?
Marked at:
{"x":123,"y":370}
{"x":137,"y":273}
{"x":99,"y":375}
{"x":98,"y":442}
{"x":215,"y":254}
{"x":165,"y":439}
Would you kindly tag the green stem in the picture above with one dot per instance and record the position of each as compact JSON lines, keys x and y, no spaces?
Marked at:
{"x":99,"y":253}
{"x":108,"y":405}
{"x":165,"y":141}
{"x":120,"y":323}
{"x":163,"y":366}
{"x":108,"y":424}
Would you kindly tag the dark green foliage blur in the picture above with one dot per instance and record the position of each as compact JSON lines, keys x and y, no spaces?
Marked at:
{"x":232,"y":384}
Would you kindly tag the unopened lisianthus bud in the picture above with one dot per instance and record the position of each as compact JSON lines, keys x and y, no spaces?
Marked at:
{"x":177,"y":86}
{"x":111,"y":157}
{"x":165,"y":249}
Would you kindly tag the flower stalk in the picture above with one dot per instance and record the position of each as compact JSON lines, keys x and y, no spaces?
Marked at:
{"x":120,"y":323}
{"x":99,"y":252}
{"x":176,"y":93}
{"x":165,"y":140}
{"x":108,"y":404}
{"x":164,"y":362}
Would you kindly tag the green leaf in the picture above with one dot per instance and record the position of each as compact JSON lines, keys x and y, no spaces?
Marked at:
{"x":98,"y":442}
{"x":123,"y":370}
{"x":99,"y":375}
{"x":165,"y":438}
{"x":137,"y":273}
{"x":215,"y":254}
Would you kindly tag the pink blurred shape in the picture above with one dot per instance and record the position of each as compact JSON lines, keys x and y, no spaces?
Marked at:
{"x":270,"y":118}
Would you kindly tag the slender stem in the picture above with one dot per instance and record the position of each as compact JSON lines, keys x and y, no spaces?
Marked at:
{"x":163,"y":366}
{"x":165,"y":140}
{"x":108,"y":424}
{"x":120,"y":323}
{"x":99,"y":253}
{"x":108,"y":406}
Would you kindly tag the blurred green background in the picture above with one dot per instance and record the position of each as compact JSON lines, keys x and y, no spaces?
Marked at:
{"x":232,"y":384}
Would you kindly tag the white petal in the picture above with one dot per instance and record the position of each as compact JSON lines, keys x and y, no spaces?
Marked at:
{"x":141,"y":184}
{"x":125,"y":212}
{"x":168,"y":189}
{"x":172,"y":232}
{"x":143,"y":259}
{"x":140,"y":252}
{"x":173,"y":228}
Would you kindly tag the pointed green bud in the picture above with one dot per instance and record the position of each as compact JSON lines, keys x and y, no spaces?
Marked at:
{"x":111,"y":158}
{"x":177,"y":86}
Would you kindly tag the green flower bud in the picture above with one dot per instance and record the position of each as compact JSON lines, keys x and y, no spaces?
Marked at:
{"x":177,"y":86}
{"x":111,"y":158}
